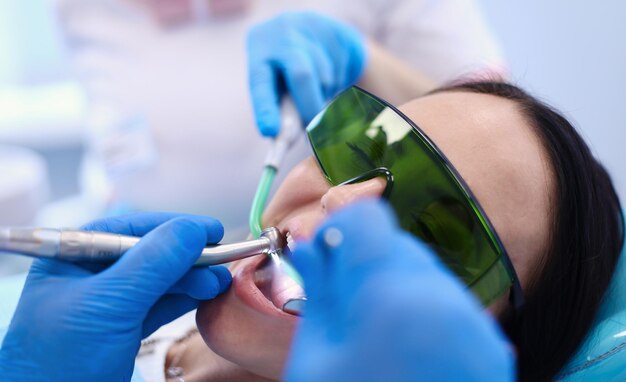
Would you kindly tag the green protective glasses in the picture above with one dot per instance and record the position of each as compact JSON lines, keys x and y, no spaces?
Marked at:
{"x":358,"y":136}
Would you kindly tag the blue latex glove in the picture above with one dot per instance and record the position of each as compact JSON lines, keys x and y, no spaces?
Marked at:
{"x":381,"y":307}
{"x":316,"y":56}
{"x":74,"y":325}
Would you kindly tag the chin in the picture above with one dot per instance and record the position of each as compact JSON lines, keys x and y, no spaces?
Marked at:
{"x":244,"y":325}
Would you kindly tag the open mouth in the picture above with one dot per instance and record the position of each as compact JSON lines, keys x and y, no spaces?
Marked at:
{"x":278,"y":287}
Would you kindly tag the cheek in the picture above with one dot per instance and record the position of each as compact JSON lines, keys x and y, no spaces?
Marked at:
{"x":304,"y":185}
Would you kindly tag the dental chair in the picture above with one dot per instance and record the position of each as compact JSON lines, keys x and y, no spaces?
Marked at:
{"x":602,"y":357}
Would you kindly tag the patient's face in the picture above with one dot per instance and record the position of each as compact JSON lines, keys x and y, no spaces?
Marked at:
{"x":494,"y":149}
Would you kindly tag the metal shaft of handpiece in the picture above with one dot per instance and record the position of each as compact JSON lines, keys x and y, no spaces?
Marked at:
{"x":80,"y":246}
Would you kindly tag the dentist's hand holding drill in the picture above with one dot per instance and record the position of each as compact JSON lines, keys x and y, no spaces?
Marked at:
{"x":72,"y":324}
{"x":380,"y":306}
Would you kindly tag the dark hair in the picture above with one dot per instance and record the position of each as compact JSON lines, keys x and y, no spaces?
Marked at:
{"x":585,"y":243}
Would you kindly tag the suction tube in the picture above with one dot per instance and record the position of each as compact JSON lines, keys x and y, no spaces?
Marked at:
{"x":260,"y":199}
{"x":291,"y":129}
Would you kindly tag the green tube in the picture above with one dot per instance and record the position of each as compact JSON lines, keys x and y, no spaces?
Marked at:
{"x":260,"y":198}
{"x":256,"y":216}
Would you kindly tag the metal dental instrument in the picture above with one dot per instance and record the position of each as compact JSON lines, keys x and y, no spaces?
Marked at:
{"x":295,"y":306}
{"x":97,"y":247}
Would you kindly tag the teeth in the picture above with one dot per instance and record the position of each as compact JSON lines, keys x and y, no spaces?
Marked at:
{"x":291,"y":243}
{"x":295,"y":306}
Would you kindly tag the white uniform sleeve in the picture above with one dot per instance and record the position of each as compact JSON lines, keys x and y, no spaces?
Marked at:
{"x":445,"y":39}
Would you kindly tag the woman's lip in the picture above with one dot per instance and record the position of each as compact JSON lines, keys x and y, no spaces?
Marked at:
{"x":248,"y":292}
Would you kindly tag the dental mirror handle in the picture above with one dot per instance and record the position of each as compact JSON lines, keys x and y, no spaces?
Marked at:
{"x":106,"y":248}
{"x":290,"y":130}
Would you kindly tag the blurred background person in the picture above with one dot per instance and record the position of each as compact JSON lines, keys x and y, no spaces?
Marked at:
{"x":170,"y":124}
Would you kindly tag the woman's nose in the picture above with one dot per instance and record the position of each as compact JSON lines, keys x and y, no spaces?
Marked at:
{"x":340,"y":196}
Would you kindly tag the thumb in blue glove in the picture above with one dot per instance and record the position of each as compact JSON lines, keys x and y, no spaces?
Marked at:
{"x":316,"y":56}
{"x":73,"y":325}
{"x":381,"y":307}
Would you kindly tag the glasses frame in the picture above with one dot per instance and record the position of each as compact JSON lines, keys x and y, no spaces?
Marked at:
{"x":516,"y":295}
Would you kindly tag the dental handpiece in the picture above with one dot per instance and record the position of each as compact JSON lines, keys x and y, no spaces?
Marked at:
{"x":106,"y":248}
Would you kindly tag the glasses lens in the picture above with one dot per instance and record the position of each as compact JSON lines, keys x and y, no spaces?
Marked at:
{"x":358,"y":132}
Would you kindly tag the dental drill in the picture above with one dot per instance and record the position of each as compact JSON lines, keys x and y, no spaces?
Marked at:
{"x":106,"y":248}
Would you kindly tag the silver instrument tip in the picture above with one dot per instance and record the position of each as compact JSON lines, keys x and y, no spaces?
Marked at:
{"x":29,"y":241}
{"x":277,"y":239}
{"x":295,"y":306}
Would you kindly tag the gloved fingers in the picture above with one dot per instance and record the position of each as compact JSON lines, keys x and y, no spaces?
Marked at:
{"x":360,"y":241}
{"x":167,"y":309}
{"x":345,"y":47}
{"x":50,"y":267}
{"x":342,"y":74}
{"x":203,"y":283}
{"x":358,"y":234}
{"x":136,"y":224}
{"x":410,"y":253}
{"x":323,"y":66}
{"x":309,"y":260}
{"x":162,"y":257}
{"x":265,"y":97}
{"x":139,"y":224}
{"x":92,"y":267}
{"x":354,"y":61}
{"x":351,"y":238}
{"x":303,"y":84}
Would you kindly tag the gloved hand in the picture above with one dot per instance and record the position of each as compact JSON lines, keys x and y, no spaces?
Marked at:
{"x":74,"y":325}
{"x":316,"y":56}
{"x":381,"y":307}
